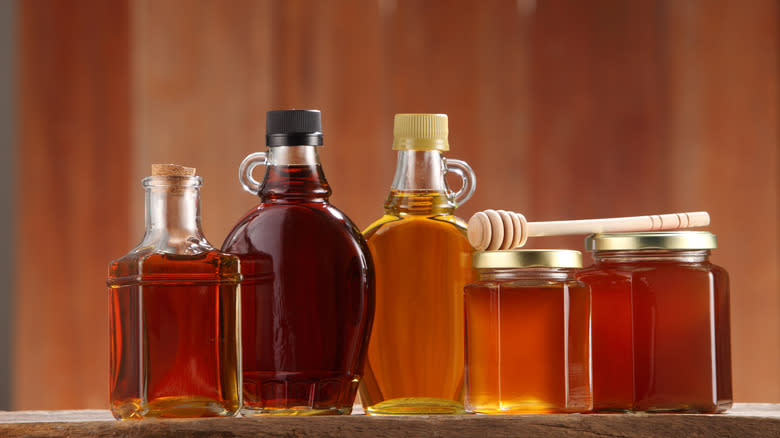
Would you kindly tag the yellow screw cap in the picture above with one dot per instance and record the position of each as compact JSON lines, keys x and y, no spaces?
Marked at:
{"x":420,"y":132}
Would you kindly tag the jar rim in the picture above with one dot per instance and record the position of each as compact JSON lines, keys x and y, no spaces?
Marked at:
{"x":671,"y":240}
{"x":171,"y":180}
{"x":528,"y":258}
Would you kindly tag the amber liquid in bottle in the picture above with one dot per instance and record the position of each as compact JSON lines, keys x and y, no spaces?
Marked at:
{"x":527,"y":346}
{"x":173,"y":317}
{"x":423,"y":261}
{"x":307,"y":294}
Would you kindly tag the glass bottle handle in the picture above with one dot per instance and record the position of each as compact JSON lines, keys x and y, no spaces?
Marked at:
{"x":248,"y":182}
{"x":463,"y":170}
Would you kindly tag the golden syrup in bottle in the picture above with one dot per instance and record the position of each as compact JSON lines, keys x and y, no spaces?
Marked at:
{"x":423,"y":260}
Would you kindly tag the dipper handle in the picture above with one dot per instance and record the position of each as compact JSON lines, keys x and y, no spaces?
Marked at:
{"x":499,"y":229}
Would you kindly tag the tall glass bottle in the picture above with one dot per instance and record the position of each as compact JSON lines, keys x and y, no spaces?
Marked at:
{"x":423,"y":261}
{"x":308,"y":290}
{"x":173,"y":312}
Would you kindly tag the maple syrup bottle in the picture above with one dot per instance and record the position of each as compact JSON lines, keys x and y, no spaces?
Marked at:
{"x":423,"y":261}
{"x":308,"y":290}
{"x":173,"y":312}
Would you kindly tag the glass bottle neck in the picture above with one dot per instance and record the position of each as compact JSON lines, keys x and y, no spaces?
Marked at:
{"x":419,"y":186}
{"x":294,"y":173}
{"x":173,"y":214}
{"x":654,"y":255}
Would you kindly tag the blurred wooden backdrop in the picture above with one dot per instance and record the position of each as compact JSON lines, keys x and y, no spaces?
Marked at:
{"x":565,"y":109}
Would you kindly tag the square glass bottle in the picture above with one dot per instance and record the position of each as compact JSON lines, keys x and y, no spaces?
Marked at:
{"x":175,"y":340}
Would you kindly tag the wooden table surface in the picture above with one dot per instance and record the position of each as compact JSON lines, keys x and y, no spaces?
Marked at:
{"x":744,"y":420}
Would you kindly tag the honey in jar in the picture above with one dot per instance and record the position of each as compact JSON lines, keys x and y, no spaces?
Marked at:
{"x":527,"y":334}
{"x":660,"y":324}
{"x":422,"y":258}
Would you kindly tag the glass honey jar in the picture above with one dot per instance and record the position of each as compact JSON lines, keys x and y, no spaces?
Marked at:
{"x":527,"y":334}
{"x":660,"y":323}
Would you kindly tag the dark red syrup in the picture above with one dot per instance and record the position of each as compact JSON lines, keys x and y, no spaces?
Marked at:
{"x":307,"y":297}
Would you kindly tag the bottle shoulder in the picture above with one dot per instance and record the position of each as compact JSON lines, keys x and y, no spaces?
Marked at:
{"x":296,"y":221}
{"x":379,"y":223}
{"x":150,"y":264}
{"x":604,"y":268}
{"x":520,"y":285}
{"x":320,"y":212}
{"x":643,"y":272}
{"x":719,"y":271}
{"x":448,"y":225}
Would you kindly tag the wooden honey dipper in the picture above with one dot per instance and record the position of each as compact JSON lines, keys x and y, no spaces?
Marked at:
{"x":499,"y":229}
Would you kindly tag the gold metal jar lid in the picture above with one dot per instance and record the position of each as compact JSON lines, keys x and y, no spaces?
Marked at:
{"x":651,"y":240}
{"x":528,"y":258}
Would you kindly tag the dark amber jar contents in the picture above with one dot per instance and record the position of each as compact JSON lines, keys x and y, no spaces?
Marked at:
{"x":527,"y":334}
{"x":660,"y":323}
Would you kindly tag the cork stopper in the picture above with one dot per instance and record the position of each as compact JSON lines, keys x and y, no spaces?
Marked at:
{"x":172,"y":170}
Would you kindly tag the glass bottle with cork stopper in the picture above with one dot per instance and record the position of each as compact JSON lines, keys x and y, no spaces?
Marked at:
{"x":308,"y":289}
{"x":174,"y":311}
{"x":423,"y":260}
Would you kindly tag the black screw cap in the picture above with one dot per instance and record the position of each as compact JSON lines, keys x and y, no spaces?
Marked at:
{"x":293,"y":128}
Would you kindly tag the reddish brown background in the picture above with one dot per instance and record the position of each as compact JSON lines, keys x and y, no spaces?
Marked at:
{"x":565,"y":109}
